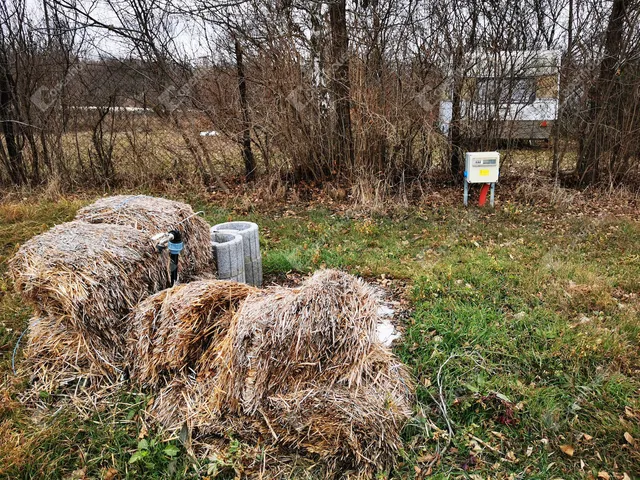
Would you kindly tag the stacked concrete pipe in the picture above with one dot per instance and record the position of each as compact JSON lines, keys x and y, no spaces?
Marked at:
{"x":251,"y":248}
{"x":228,"y":253}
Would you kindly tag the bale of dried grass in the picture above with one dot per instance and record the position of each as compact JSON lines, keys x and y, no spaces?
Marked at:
{"x":175,"y":332}
{"x":302,"y":369}
{"x":57,"y":356}
{"x":322,"y":331}
{"x":308,"y":364}
{"x":89,"y":277}
{"x":154,"y":215}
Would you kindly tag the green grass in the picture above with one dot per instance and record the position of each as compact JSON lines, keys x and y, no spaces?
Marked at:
{"x":530,"y":317}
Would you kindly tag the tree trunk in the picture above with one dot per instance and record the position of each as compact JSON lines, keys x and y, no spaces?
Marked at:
{"x":596,"y":139}
{"x":456,"y":116}
{"x":565,"y":68}
{"x":12,"y":158}
{"x":341,"y":86}
{"x":247,"y":153}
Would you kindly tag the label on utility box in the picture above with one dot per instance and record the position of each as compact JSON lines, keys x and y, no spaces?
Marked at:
{"x":484,"y":173}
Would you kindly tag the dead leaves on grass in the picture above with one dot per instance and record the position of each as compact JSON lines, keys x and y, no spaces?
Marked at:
{"x":567,"y":450}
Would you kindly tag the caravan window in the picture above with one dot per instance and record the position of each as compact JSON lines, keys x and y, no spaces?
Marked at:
{"x":506,"y":90}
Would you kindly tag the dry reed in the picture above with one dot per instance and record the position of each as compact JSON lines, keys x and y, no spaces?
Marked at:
{"x":171,"y":331}
{"x":57,"y":356}
{"x":87,"y":277}
{"x":300,"y":368}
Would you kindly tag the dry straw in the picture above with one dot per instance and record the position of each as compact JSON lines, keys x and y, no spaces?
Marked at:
{"x":84,"y":277}
{"x":171,"y":331}
{"x":155,"y":215}
{"x":57,"y":356}
{"x":299,"y":369}
{"x":82,"y":280}
{"x":309,"y":363}
{"x":89,"y":277}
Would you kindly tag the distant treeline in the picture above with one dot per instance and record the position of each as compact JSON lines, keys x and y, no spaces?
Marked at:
{"x":118,"y":92}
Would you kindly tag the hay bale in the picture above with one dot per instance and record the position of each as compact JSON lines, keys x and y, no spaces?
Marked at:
{"x":154,"y":215}
{"x":302,"y":369}
{"x":321,"y":331}
{"x":56,"y":356}
{"x":88,"y":277}
{"x":175,"y":332}
{"x":307,"y":363}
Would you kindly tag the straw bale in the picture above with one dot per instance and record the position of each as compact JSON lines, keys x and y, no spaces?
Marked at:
{"x":298,"y":370}
{"x":89,"y":277}
{"x":355,"y":428}
{"x":304,"y":367}
{"x":171,"y":332}
{"x":154,"y":215}
{"x":322,"y":331}
{"x":56,"y":356}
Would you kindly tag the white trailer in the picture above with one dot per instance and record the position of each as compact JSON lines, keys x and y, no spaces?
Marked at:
{"x":514,"y":94}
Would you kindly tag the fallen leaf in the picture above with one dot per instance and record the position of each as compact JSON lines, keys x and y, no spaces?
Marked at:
{"x":604,"y":475}
{"x":110,"y":474}
{"x":529,"y":451}
{"x":567,"y":450}
{"x":511,"y":456}
{"x":628,"y":412}
{"x":79,"y":474}
{"x":629,"y":438}
{"x":625,"y":476}
{"x":587,"y":437}
{"x":425,"y":458}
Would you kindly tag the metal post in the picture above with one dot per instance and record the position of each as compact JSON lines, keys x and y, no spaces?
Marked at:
{"x":466,"y":192}
{"x":493,"y":191}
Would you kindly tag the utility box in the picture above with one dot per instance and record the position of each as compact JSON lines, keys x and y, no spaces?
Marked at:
{"x":482,"y":167}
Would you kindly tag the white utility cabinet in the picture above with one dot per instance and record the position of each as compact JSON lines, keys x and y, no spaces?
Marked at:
{"x":482,"y":167}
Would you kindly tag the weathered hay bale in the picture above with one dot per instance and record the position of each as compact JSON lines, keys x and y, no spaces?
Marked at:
{"x":300,"y":368}
{"x":170,"y":332}
{"x":89,"y":277}
{"x":321,"y":331}
{"x":340,"y":425}
{"x":308,"y":364}
{"x":154,"y":215}
{"x":56,"y":355}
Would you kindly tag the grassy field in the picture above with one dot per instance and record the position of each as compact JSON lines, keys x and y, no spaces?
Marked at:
{"x":523,"y":337}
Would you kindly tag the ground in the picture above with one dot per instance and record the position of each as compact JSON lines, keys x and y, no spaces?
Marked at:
{"x":523,"y":338}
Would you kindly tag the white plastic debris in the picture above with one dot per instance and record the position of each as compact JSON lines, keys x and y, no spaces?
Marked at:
{"x":385,"y":312}
{"x":387,"y":332}
{"x":211,"y":133}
